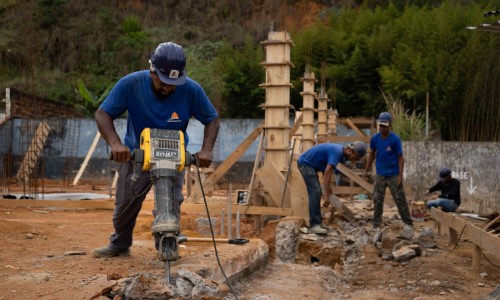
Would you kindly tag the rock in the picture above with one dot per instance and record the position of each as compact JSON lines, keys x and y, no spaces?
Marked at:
{"x":287,"y":236}
{"x":309,"y":237}
{"x":146,"y":286}
{"x":427,"y":232}
{"x":416,"y":248}
{"x":404,"y":254}
{"x":183,"y":287}
{"x":202,"y":291}
{"x":350,"y":239}
{"x":390,"y":235}
{"x":194,"y":278}
{"x":435,"y":283}
{"x":400,"y":245}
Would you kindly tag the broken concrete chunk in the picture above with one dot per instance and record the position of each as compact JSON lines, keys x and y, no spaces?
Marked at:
{"x":287,"y":238}
{"x":427,"y":232}
{"x":193,"y":277}
{"x":183,"y":286}
{"x":416,"y":248}
{"x":404,"y":254}
{"x":309,"y":237}
{"x":146,"y":286}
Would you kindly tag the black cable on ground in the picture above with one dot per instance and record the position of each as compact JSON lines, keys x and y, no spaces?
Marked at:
{"x":212,"y":231}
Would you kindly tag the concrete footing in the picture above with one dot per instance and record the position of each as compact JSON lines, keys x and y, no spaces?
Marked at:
{"x":197,"y":273}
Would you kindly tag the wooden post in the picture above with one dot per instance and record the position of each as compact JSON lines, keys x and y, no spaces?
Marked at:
{"x":476,"y":256}
{"x":308,"y":96}
{"x":277,"y":103}
{"x":332,"y":122}
{"x":255,"y":166}
{"x":322,"y":113}
{"x":87,"y":158}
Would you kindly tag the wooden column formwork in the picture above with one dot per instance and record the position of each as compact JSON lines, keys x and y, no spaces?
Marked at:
{"x":322,"y":114}
{"x":308,"y":96}
{"x":277,"y":105}
{"x":332,"y":122}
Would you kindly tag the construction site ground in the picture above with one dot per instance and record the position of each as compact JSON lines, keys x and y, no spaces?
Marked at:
{"x":46,"y":254}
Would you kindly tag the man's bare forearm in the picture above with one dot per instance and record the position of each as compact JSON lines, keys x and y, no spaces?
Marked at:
{"x":210,"y":135}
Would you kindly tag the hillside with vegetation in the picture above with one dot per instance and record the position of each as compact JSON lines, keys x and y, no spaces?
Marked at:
{"x":365,"y":52}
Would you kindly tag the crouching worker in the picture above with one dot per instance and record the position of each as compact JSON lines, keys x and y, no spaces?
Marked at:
{"x":449,"y":199}
{"x":324,"y":158}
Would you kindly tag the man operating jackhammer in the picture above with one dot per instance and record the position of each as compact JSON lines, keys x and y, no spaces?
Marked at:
{"x":162,"y":97}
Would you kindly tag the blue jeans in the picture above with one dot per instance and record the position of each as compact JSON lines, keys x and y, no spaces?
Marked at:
{"x":314,"y":191}
{"x":448,"y":205}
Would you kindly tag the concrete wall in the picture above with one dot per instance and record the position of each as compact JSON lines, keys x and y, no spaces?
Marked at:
{"x":476,"y":165}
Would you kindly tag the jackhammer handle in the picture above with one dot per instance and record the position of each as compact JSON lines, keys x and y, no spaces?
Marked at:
{"x":132,"y":156}
{"x":190,"y":159}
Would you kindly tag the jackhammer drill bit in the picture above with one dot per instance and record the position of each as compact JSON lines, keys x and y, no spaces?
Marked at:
{"x":166,"y":275}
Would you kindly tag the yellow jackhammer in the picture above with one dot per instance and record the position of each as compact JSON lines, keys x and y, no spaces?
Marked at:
{"x":162,"y":153}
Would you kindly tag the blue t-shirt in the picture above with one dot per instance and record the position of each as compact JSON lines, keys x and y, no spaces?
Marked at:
{"x":319,"y":156}
{"x":134,"y":93}
{"x":388,"y":150}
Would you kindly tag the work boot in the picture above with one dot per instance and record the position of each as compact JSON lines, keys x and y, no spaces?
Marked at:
{"x":109,"y":252}
{"x":407,"y":232}
{"x":318,"y":229}
{"x":324,"y":226}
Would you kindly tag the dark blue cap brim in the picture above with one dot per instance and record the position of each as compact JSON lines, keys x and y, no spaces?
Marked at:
{"x":172,"y":81}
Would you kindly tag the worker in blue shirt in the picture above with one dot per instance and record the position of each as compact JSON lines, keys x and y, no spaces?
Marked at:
{"x":162,"y":97}
{"x":387,"y":148}
{"x":324,"y":158}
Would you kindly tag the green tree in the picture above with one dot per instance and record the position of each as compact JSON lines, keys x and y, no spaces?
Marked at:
{"x":90,"y":102}
{"x":242,"y":74}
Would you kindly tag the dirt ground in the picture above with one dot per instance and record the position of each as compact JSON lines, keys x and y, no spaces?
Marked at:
{"x":39,"y":260}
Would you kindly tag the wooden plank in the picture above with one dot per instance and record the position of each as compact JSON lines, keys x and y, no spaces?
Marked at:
{"x":363,"y":183}
{"x":255,"y":166}
{"x":342,"y":190}
{"x":342,"y":139}
{"x":272,"y":182}
{"x":296,"y":126}
{"x":491,"y":223}
{"x":70,"y":204}
{"x":299,"y":199}
{"x":215,"y":209}
{"x":234,"y":157}
{"x":355,"y":128}
{"x":360,"y":122}
{"x":349,"y":173}
{"x":229,"y":162}
{"x":486,"y":241}
{"x":87,"y":158}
